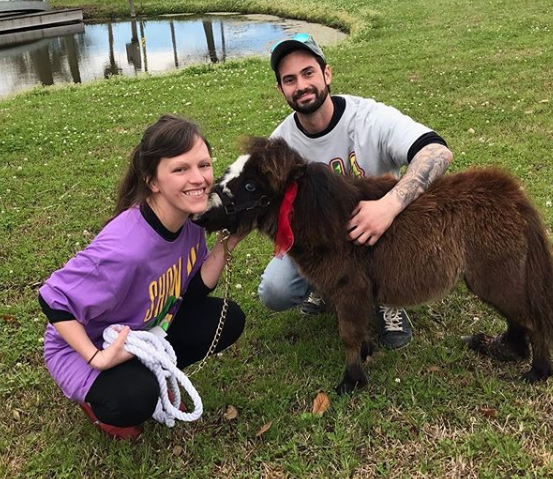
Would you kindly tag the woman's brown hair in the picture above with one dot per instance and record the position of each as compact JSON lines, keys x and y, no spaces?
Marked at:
{"x":170,"y":136}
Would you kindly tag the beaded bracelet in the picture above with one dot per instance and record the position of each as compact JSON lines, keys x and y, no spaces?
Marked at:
{"x":93,"y":356}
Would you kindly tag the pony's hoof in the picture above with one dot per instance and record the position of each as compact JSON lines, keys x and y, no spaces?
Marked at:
{"x":531,"y":377}
{"x":479,"y":342}
{"x":348,"y":386}
{"x":535,"y":375}
{"x":497,"y":347}
{"x":345,"y":387}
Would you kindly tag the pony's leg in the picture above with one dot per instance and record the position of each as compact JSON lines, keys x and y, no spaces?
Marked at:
{"x":509,"y":298}
{"x":539,"y":293}
{"x":541,"y":362}
{"x":367,"y":349}
{"x":368,"y":346}
{"x":353,"y":326}
{"x":512,"y":345}
{"x":501,"y":285}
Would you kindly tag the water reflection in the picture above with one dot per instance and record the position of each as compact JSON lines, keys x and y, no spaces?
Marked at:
{"x":140,"y":45}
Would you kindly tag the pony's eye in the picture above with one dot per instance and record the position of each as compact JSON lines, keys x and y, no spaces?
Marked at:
{"x":250,"y":187}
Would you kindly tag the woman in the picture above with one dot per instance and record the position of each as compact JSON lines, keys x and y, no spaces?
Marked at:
{"x":148,"y":268}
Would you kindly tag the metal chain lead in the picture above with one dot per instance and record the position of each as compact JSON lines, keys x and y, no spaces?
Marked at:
{"x":224,"y":309}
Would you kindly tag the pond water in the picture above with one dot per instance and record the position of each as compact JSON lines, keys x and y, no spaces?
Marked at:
{"x":84,"y":52}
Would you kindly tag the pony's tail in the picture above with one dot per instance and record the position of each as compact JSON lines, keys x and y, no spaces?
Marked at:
{"x":539,"y":276}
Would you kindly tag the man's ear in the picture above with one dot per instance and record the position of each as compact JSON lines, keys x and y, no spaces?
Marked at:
{"x":328,"y":74}
{"x":279,"y":87}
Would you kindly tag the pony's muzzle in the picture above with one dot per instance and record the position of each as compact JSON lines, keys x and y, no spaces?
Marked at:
{"x":215,"y":217}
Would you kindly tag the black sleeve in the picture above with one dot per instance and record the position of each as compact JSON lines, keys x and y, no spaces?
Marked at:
{"x":196,"y":288}
{"x":422,"y":141}
{"x":54,"y":315}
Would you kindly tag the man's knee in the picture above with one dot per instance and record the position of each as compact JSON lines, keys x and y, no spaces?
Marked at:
{"x":276,"y":296}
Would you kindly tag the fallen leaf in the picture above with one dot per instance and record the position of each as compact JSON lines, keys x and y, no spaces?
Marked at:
{"x":264,"y":429}
{"x":321,"y":403}
{"x":177,"y":450}
{"x":231,"y":413}
{"x":9,"y":319}
{"x":488,"y":411}
{"x":16,"y":415}
{"x":433,"y":369}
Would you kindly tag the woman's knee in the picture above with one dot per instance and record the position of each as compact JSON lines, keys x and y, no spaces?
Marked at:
{"x":125,"y":401}
{"x":235,"y":323}
{"x":131,"y":409}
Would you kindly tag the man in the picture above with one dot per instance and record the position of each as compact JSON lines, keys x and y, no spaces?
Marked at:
{"x":354,"y":136}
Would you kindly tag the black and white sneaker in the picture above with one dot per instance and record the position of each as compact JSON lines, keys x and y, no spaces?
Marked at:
{"x":394,"y":327}
{"x":314,"y":305}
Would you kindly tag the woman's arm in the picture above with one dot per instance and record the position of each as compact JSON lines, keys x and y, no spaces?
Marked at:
{"x":75,"y":335}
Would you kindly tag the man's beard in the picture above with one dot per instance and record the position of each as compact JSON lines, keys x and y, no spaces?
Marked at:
{"x":320,"y":97}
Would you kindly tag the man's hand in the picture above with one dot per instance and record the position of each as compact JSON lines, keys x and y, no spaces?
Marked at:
{"x":370,"y":220}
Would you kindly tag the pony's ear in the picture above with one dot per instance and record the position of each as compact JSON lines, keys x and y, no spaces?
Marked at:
{"x":277,"y":161}
{"x":298,"y":171}
{"x":286,"y":164}
{"x":253,"y":144}
{"x":243,"y":143}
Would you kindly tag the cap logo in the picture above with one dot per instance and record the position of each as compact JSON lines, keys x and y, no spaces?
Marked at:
{"x":300,"y":41}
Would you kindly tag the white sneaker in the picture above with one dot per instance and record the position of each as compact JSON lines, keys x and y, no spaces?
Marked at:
{"x":314,"y":304}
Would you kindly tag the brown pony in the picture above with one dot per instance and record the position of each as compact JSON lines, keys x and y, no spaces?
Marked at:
{"x":476,"y":225}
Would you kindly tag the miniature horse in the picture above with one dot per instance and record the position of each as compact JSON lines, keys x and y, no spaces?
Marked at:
{"x":475,"y":225}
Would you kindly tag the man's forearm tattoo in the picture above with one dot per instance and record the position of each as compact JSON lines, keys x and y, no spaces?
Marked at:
{"x":427,"y":165}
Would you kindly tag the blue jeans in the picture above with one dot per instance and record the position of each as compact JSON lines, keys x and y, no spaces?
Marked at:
{"x":282,"y":286}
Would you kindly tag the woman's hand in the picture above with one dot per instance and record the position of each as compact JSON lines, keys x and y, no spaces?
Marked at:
{"x":114,"y":354}
{"x":234,"y":239}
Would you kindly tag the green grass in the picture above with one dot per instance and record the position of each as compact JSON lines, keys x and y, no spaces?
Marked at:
{"x":477,"y":71}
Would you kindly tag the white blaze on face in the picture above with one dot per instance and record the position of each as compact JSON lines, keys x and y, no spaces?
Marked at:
{"x":234,"y":172}
{"x":213,"y":201}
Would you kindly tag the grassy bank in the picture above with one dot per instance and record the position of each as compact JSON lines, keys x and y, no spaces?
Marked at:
{"x":479,"y":72}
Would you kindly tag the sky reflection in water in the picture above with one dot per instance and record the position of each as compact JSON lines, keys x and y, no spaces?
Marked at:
{"x":143,"y":45}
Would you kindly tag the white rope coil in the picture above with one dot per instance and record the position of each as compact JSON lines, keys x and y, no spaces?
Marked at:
{"x":158,"y":356}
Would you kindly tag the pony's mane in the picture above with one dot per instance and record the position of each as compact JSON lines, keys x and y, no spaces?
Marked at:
{"x":326,"y":201}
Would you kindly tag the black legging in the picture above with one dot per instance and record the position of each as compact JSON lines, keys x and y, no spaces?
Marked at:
{"x":127,"y":394}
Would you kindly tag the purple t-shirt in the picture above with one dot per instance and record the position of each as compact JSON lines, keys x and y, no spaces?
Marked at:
{"x":128,"y":275}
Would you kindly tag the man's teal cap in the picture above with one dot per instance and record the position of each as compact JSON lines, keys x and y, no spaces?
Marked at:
{"x":301,"y":41}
